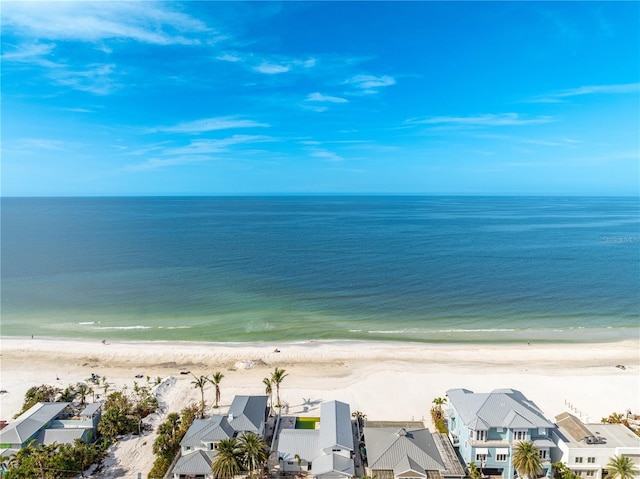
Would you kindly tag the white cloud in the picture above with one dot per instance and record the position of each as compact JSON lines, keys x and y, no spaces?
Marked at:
{"x":503,"y":119}
{"x":145,"y":22}
{"x":229,"y":57}
{"x":325,"y":154}
{"x":209,"y":124}
{"x":588,"y":90}
{"x":370,"y":84}
{"x":271,"y":68}
{"x":317,"y":96}
{"x":195,"y":152}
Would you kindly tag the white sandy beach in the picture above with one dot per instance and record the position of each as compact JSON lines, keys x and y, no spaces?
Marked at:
{"x":386,"y":381}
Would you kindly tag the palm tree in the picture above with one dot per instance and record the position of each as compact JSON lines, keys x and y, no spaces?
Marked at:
{"x":526,"y":460}
{"x":474,"y":472}
{"x":268,"y":390}
{"x":200,"y":382}
{"x":439,"y":402}
{"x":82,"y":390}
{"x":277,"y":377}
{"x":621,"y":467}
{"x":215,"y":380}
{"x":253,"y":452}
{"x":299,"y":461}
{"x":226,"y":463}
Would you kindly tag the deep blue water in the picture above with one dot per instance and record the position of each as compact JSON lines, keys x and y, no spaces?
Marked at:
{"x":303,"y":268}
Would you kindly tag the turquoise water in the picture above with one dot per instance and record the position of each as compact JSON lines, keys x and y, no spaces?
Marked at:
{"x":311,"y":268}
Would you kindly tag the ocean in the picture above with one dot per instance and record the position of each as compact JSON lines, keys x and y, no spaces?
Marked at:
{"x":289,"y":269}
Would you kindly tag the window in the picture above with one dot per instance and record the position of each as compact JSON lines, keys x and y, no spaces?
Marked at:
{"x":542,"y":431}
{"x":481,"y":458}
{"x":481,"y":435}
{"x":578,"y":460}
{"x":500,"y":429}
{"x":542,"y":453}
{"x":519,"y":435}
{"x":591,"y":460}
{"x":591,"y":473}
{"x":501,"y":458}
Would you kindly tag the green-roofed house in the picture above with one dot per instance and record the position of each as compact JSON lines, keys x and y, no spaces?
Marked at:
{"x":49,"y":422}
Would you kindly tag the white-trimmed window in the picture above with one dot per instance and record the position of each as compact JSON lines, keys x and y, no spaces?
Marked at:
{"x":519,"y":434}
{"x":591,"y":473}
{"x":542,"y":453}
{"x":591,"y":460}
{"x":501,"y":457}
{"x":481,"y":435}
{"x":542,"y":431}
{"x":578,"y":460}
{"x":481,"y":457}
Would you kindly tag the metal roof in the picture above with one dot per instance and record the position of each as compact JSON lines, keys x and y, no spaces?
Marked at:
{"x":196,"y":463}
{"x":207,"y":430}
{"x":247,"y":413}
{"x":60,"y":435}
{"x":31,"y":421}
{"x":500,"y":408}
{"x":333,"y":464}
{"x":303,"y":442}
{"x":387,"y":447}
{"x":91,"y":409}
{"x":335,"y":426}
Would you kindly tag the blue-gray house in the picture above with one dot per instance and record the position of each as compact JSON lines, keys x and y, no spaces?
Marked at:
{"x":485,"y":426}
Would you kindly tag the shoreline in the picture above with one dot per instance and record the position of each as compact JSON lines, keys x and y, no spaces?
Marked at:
{"x":385,"y":380}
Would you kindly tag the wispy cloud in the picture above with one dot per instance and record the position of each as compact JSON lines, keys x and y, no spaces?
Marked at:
{"x":369,"y":84}
{"x":209,"y":124}
{"x":319,"y":97}
{"x":503,"y":119}
{"x":147,"y":22}
{"x":97,"y":79}
{"x":324,"y":154}
{"x":196,"y":152}
{"x":271,"y":68}
{"x":559,"y":97}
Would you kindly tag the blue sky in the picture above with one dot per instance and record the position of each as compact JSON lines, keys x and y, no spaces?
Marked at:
{"x":161,"y":98}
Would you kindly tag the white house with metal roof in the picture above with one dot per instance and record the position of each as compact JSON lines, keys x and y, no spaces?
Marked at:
{"x":587,"y":448}
{"x":326,"y":452}
{"x":401,"y":453}
{"x":49,"y":422}
{"x":485,"y":427}
{"x":199,"y":444}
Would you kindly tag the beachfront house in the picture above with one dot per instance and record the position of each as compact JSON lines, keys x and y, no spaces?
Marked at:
{"x":49,"y":422}
{"x":199,"y":444}
{"x":325,"y":452}
{"x":587,"y":448}
{"x":484,"y":427}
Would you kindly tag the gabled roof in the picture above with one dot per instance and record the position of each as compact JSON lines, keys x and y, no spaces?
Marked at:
{"x":391,"y":448}
{"x":31,"y":421}
{"x":303,"y":442}
{"x":247,"y":413}
{"x":506,"y":408}
{"x":335,"y":426}
{"x":407,"y":464}
{"x":333,"y":464}
{"x":196,"y":463}
{"x":207,"y":430}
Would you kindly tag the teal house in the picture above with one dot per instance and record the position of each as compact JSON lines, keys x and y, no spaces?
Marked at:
{"x":484,"y":428}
